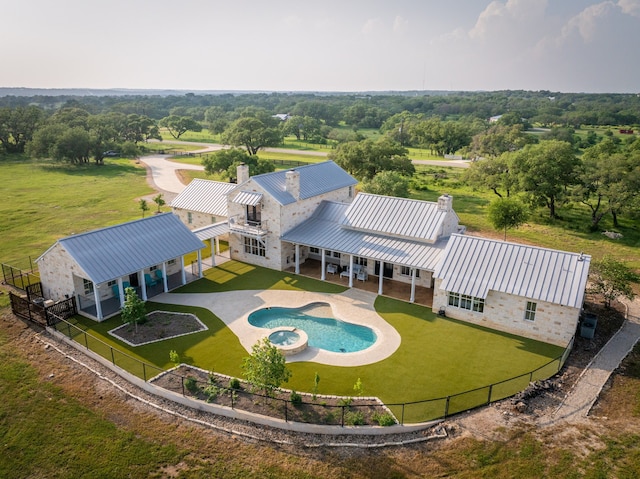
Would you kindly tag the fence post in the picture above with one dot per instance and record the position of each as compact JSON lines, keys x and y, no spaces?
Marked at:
{"x":86,"y":342}
{"x":402,"y":415}
{"x":286,"y":412}
{"x":531,"y":376}
{"x":113,"y":359}
{"x":182,"y":380}
{"x":144,"y":372}
{"x":490,"y":390}
{"x":69,"y":329}
{"x":342,"y":420}
{"x":446,"y":407}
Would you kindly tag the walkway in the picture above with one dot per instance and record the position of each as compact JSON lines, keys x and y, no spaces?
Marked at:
{"x":580,"y":399}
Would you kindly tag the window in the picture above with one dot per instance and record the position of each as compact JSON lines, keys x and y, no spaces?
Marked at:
{"x":351,"y":192}
{"x":360,"y":261}
{"x":530,"y":312}
{"x":464,"y":301}
{"x":112,"y":283}
{"x":336,"y":254}
{"x":406,"y":271}
{"x":153,"y":268}
{"x":189,"y":217}
{"x":314,"y":250}
{"x":171,"y":261}
{"x":213,"y":219}
{"x":253,"y":246}
{"x":88,"y":286}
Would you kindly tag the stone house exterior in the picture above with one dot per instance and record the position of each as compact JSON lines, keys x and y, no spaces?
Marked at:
{"x":524,"y":290}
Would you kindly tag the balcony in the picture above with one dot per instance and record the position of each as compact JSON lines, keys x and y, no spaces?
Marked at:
{"x":239,"y":224}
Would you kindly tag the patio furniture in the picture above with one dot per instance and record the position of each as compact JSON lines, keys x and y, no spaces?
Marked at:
{"x":159,"y":275}
{"x":362,"y":275}
{"x":332,"y":268}
{"x":149,"y":281}
{"x":116,"y":291}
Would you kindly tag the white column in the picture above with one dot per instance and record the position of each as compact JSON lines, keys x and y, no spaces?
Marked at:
{"x":215,"y":249}
{"x":199,"y":263}
{"x":217,"y":240}
{"x":143,"y":285}
{"x":121,"y":292}
{"x":165,"y":281}
{"x":183,"y":274}
{"x":96,"y":296}
{"x":413,"y":285}
{"x":323,"y":272}
{"x":297,"y":259}
{"x":351,"y":271}
{"x":380,"y":277}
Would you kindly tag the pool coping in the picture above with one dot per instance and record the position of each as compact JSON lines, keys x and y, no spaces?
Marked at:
{"x":354,"y":306}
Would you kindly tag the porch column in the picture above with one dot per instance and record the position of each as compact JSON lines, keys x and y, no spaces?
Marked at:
{"x":199,"y":263}
{"x":413,"y":285}
{"x":165,"y":281}
{"x":351,"y":271}
{"x":297,"y":258}
{"x":323,"y":267}
{"x":183,"y":274}
{"x":215,"y":247}
{"x":96,"y":296}
{"x":143,"y":285}
{"x":121,"y":291}
{"x":380,"y":278}
{"x":217,"y":240}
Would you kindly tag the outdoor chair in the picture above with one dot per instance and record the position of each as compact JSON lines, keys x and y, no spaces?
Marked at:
{"x":149,"y":281}
{"x":332,"y":268}
{"x":159,"y":275}
{"x":115,"y":290}
{"x":362,"y":275}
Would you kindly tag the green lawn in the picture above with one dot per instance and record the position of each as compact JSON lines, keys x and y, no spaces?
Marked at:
{"x":438,"y":356}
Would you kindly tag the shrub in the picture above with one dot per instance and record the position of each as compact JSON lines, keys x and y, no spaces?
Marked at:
{"x":385,"y":419}
{"x":174,"y":357}
{"x":354,"y":418}
{"x":234,"y":383}
{"x":212,"y":392}
{"x":296,"y":399}
{"x":192,"y":385}
{"x":345,"y":402}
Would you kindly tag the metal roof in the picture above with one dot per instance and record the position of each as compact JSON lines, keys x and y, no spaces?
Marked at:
{"x":474,"y":266}
{"x":250,"y":198}
{"x":211,"y":231}
{"x":411,"y":219}
{"x":324,"y":230}
{"x":315,"y":179}
{"x":204,"y":196}
{"x":119,"y":250}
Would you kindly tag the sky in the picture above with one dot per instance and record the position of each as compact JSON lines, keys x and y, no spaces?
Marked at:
{"x":329,"y":45}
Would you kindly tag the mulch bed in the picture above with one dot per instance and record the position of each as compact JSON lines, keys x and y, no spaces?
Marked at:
{"x":326,"y":410}
{"x":158,"y":326}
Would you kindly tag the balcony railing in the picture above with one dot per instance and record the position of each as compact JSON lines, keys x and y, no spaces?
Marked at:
{"x":240,"y":224}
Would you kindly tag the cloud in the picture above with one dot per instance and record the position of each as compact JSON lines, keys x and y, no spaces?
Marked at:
{"x":400,"y":24}
{"x":587,"y":22}
{"x":511,"y":15}
{"x":630,"y":7}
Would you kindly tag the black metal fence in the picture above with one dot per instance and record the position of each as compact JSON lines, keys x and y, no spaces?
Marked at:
{"x":308,"y":411}
{"x":38,"y":312}
{"x":18,"y":278}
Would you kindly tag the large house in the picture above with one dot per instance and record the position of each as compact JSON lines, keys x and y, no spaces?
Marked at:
{"x":311,"y":215}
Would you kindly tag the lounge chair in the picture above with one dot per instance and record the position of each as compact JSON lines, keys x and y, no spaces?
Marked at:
{"x":332,"y":268}
{"x":362,"y":275}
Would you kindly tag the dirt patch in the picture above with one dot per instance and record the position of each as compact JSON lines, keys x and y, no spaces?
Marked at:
{"x":281,"y":404}
{"x":159,"y":325}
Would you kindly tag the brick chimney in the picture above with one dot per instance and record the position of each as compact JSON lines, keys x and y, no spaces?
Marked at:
{"x":292,"y":183}
{"x":243,"y":173}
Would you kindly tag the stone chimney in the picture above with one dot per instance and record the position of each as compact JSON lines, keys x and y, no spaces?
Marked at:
{"x":243,"y":173}
{"x":445,"y":203}
{"x":292,"y":183}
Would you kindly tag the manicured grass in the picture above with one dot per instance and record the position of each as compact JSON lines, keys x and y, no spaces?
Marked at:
{"x":438,"y":356}
{"x":44,"y":201}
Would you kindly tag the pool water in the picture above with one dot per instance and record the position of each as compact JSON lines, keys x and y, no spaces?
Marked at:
{"x":325,"y":333}
{"x":284,"y":338}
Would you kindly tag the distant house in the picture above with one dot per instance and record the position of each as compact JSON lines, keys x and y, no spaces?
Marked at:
{"x":525,"y":290}
{"x":282,"y":116}
{"x":95,"y":267}
{"x":495,"y":119}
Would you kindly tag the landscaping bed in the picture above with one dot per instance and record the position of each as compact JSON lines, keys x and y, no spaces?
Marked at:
{"x":281,"y":404}
{"x":159,"y":325}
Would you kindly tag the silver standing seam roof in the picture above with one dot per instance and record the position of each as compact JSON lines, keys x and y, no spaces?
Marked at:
{"x":324,"y":229}
{"x":211,"y":231}
{"x":109,"y":253}
{"x":474,"y":266}
{"x":204,"y":196}
{"x":403,"y":217}
{"x":315,"y":179}
{"x":250,"y":198}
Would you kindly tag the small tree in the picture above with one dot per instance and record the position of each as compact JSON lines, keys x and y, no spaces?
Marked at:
{"x":265,"y":368}
{"x":316,"y":381}
{"x":358,"y":388}
{"x":612,"y":278}
{"x":144,"y":207}
{"x":133,"y":311}
{"x":159,"y":200}
{"x":506,"y":213}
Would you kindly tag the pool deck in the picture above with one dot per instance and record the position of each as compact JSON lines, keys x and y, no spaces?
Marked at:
{"x":354,"y":306}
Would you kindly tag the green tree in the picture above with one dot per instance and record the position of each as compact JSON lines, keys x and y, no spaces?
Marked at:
{"x":612,"y":279}
{"x":506,"y":213}
{"x":144,"y":207}
{"x":251,"y":133}
{"x":388,"y":183}
{"x":545,"y":171}
{"x":17,"y":127}
{"x":134,"y":311}
{"x":492,"y":173}
{"x":225,"y":163}
{"x":266,"y":368}
{"x":159,"y":201}
{"x":178,"y":125}
{"x":499,"y":139}
{"x":364,"y":159}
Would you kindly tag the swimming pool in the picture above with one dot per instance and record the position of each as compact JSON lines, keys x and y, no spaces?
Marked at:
{"x":323,"y":331}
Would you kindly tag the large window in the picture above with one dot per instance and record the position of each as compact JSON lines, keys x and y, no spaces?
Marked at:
{"x":464,"y":301}
{"x":189,"y":217}
{"x":360,"y":261}
{"x":253,"y":246}
{"x":530,"y":312}
{"x":87,"y":285}
{"x":406,"y":271}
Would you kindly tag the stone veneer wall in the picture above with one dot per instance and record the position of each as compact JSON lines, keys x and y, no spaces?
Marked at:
{"x":198,"y":219}
{"x":56,"y":270}
{"x":553,"y":323}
